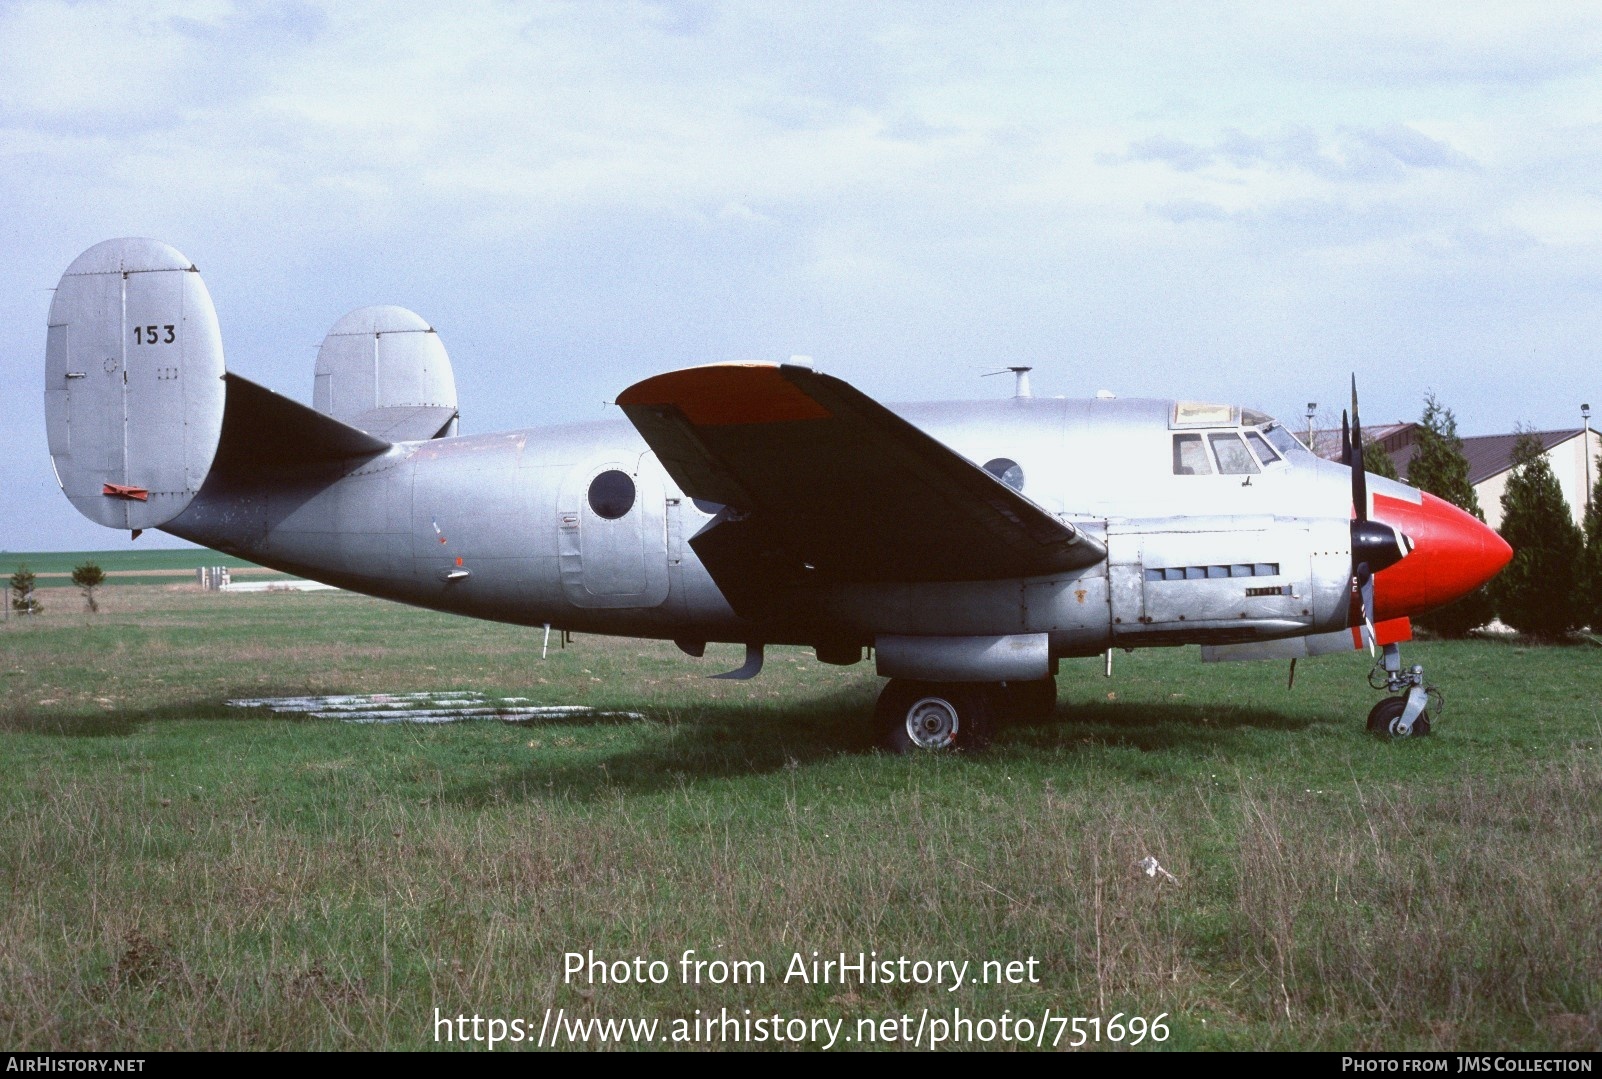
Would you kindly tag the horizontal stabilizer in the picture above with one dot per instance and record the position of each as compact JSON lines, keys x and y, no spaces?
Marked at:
{"x":406,"y":423}
{"x":267,"y":432}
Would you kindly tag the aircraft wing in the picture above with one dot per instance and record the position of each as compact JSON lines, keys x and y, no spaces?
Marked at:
{"x":822,"y":483}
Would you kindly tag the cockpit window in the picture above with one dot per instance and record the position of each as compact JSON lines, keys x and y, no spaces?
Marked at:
{"x":1190,"y":456}
{"x":1283,"y":440}
{"x":1233,"y":460}
{"x":1265,"y":452}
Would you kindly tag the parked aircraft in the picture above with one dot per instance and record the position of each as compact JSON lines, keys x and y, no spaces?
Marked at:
{"x":969,"y":547}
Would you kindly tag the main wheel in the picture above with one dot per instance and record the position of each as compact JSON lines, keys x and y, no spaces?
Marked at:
{"x":1383,"y":718}
{"x":933,"y":716}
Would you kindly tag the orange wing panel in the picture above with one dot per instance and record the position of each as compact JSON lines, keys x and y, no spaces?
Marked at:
{"x":727,"y":394}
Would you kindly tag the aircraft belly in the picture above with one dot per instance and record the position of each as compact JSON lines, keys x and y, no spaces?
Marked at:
{"x":1072,"y":609}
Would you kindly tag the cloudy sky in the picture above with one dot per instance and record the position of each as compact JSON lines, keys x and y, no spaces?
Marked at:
{"x":1229,"y":201}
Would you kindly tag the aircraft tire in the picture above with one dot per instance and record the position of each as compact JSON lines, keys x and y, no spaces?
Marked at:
{"x":933,"y":716}
{"x":1382,"y":719}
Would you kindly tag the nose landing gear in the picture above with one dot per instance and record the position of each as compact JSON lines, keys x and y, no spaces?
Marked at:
{"x":1406,"y":715}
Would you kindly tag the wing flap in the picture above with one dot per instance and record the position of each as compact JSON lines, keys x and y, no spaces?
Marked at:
{"x":825,"y":483}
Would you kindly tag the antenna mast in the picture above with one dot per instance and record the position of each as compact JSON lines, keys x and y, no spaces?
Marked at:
{"x":1020,"y":385}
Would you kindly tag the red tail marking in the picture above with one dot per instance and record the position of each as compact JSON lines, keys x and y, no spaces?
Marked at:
{"x":120,"y":490}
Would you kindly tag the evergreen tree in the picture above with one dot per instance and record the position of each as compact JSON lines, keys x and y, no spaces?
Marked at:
{"x":1378,"y":461}
{"x":1538,"y":592}
{"x":1439,"y":467}
{"x":1591,"y":579}
{"x":22,"y":599}
{"x":89,"y":577}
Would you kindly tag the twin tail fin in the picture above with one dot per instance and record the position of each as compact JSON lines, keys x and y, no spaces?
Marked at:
{"x":141,"y":411}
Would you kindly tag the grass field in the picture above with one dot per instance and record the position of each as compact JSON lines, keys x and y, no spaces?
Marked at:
{"x":183,"y":875}
{"x":147,"y":565}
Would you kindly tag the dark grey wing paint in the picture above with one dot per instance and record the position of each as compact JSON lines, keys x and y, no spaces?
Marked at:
{"x":825,"y":485}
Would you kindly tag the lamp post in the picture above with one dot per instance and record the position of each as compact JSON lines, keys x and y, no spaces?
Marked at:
{"x":1585,"y":414}
{"x":1312,"y":407}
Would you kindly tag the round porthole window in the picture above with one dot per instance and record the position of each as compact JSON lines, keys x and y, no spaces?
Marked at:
{"x":611,"y":494}
{"x":1007,"y":471}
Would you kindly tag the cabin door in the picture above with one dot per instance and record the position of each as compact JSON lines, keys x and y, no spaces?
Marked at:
{"x":612,"y":534}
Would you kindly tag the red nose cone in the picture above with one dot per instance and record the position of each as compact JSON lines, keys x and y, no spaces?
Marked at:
{"x":1453,"y":554}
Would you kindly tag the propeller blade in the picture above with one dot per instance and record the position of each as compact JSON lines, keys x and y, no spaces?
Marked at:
{"x":1365,"y":588}
{"x":1359,"y":476}
{"x":1375,"y":545}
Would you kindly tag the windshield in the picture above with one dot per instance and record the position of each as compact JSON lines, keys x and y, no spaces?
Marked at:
{"x":1285,"y":442}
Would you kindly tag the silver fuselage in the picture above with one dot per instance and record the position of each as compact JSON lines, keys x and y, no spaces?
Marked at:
{"x":498,"y":526}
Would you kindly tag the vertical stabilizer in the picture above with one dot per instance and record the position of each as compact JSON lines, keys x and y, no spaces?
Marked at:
{"x":133,"y":383}
{"x":384,"y":370}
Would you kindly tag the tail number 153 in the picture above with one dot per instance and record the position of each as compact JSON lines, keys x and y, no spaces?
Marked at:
{"x":155,"y":335}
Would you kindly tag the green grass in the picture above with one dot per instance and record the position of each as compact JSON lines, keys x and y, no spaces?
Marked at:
{"x":137,"y":558}
{"x":182,"y":875}
{"x":142,"y":566}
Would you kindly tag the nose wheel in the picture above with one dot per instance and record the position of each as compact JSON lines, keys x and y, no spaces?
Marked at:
{"x":1408,"y":713}
{"x":1385,"y":720}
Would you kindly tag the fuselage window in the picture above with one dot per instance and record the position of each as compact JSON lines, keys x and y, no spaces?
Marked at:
{"x":711,"y":509}
{"x":1190,"y":456}
{"x":1007,"y":471}
{"x":611,"y":494}
{"x":1233,"y":460}
{"x":1265,"y":452}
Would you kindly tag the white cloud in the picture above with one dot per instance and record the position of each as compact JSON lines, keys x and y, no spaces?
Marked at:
{"x":605,"y":190}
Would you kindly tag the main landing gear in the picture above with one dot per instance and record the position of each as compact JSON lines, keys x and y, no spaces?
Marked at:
{"x":914,"y":716}
{"x":1406,"y":715}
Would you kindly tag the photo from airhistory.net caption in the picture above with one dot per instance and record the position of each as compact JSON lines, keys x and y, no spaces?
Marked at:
{"x":737,"y":1026}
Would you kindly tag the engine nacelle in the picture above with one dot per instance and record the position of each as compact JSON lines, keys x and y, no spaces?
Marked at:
{"x":133,"y":383}
{"x":1012,"y":657}
{"x":384,"y":370}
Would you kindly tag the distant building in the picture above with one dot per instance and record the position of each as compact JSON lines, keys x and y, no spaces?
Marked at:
{"x":1490,"y":459}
